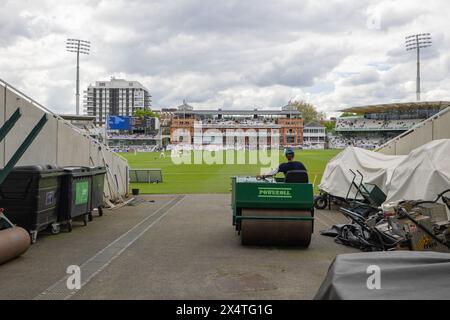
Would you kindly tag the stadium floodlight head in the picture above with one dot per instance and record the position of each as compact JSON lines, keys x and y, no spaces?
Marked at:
{"x":417,"y":42}
{"x":78,"y":46}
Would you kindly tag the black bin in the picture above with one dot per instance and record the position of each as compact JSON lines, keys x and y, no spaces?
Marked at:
{"x":30,"y":196}
{"x":75,"y":195}
{"x":98,"y":184}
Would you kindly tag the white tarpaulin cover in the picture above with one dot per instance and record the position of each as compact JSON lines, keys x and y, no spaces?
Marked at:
{"x":422,"y":174}
{"x":376,"y":168}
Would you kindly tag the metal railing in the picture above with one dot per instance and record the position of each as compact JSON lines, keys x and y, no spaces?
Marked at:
{"x":56,"y":116}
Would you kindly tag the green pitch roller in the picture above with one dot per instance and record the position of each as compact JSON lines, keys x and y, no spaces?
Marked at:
{"x":272,"y":212}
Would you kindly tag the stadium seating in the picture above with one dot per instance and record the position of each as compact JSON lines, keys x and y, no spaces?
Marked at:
{"x":339,"y":142}
{"x":362,"y":124}
{"x":242,"y":123}
{"x":131,"y":136}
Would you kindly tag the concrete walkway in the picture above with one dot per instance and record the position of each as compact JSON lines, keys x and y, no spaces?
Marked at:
{"x":179,"y":247}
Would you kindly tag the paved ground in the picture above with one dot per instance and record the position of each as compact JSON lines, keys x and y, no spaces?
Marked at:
{"x":179,"y":247}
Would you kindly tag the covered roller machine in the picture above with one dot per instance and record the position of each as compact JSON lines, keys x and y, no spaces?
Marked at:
{"x":272,"y":212}
{"x":14,"y":241}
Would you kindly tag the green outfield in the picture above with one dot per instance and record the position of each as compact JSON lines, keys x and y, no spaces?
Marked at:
{"x":204,"y":178}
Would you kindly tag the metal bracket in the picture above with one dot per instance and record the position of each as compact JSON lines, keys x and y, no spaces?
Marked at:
{"x":3,"y":217}
{"x":9,"y":124}
{"x":25,"y":144}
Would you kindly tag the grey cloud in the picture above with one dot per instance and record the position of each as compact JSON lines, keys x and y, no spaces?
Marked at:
{"x":234,"y":16}
{"x":300,"y":67}
{"x":362,"y":78}
{"x":395,"y":13}
{"x":12,"y":25}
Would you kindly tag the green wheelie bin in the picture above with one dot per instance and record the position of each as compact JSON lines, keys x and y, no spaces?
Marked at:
{"x":98,"y":183}
{"x":75,"y":196}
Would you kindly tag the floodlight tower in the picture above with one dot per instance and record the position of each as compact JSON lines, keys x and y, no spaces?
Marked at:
{"x":417,"y":42}
{"x":78,"y":46}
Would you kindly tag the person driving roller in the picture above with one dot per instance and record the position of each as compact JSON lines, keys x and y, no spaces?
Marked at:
{"x":285,"y":167}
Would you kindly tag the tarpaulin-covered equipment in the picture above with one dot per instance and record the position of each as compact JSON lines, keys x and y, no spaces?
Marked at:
{"x":422,"y":174}
{"x":376,"y":168}
{"x":402,"y":275}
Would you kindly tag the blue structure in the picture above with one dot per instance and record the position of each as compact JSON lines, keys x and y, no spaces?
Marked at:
{"x":119,"y":123}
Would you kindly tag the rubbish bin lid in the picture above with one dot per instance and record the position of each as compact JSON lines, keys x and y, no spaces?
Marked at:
{"x":78,"y":171}
{"x":97,"y":170}
{"x":45,"y":168}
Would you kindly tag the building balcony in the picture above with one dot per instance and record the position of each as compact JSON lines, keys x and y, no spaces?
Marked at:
{"x":237,"y":126}
{"x":305,"y":134}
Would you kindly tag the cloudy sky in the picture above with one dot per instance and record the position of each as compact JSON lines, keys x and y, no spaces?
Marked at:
{"x":231,"y":53}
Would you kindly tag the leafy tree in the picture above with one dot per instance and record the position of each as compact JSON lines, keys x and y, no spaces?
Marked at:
{"x":329,"y":125}
{"x":309,"y":112}
{"x":141,"y":113}
{"x":349,"y":114}
{"x":165,"y":131}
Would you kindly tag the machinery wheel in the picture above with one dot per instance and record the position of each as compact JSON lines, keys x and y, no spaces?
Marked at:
{"x":321,"y":202}
{"x":90,"y":217}
{"x":33,"y":235}
{"x":272,"y":232}
{"x":55,"y":228}
{"x":100,"y":211}
{"x":85,"y":219}
{"x":306,"y":244}
{"x":69,"y":226}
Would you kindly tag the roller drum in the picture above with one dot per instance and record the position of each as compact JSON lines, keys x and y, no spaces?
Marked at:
{"x":13,"y":242}
{"x":276,"y":232}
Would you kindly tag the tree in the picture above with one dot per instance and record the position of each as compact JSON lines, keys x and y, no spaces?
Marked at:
{"x":141,"y":113}
{"x":309,"y":112}
{"x":329,"y":125}
{"x":349,"y":114}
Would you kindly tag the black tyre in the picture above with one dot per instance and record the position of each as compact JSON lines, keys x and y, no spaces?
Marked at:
{"x":55,"y":229}
{"x":69,"y":226}
{"x":321,"y":202}
{"x":85,"y":219}
{"x":100,"y":211}
{"x":306,"y":245}
{"x":90,"y":216}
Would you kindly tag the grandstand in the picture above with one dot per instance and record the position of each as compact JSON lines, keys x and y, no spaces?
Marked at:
{"x":140,"y":142}
{"x":374,"y":125}
{"x":133,"y":133}
{"x":355,"y":124}
{"x":284,"y":124}
{"x":434,"y":128}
